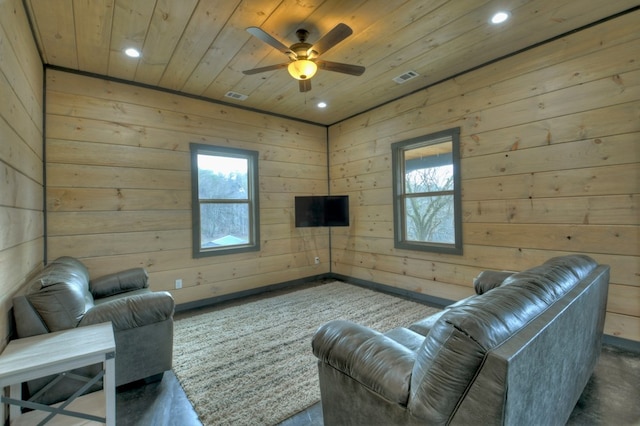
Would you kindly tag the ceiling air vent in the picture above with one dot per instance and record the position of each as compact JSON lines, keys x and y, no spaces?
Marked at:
{"x":405,"y":77}
{"x":236,"y":95}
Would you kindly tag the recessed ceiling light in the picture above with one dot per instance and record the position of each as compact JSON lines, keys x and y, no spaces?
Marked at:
{"x":322,"y":104}
{"x":132,"y":53}
{"x":499,"y":17}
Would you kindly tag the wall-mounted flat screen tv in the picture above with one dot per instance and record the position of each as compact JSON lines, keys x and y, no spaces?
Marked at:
{"x":322,"y":210}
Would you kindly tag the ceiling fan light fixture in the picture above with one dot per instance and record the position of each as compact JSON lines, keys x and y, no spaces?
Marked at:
{"x":302,"y":69}
{"x":302,"y":64}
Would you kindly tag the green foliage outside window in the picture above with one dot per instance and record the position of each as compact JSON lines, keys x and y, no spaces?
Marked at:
{"x":225,"y":201}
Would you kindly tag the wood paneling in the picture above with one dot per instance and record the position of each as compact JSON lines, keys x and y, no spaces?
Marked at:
{"x":119,"y":189}
{"x":202,"y":47}
{"x":21,"y":185}
{"x":550,"y":166}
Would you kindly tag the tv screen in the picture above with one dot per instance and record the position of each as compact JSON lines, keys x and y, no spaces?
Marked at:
{"x":322,"y":210}
{"x":336,"y":210}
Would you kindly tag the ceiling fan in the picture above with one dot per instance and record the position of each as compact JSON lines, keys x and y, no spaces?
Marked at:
{"x":303,"y":57}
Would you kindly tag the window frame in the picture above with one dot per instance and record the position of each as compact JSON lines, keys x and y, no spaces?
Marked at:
{"x":252,"y":200}
{"x":399,"y":194}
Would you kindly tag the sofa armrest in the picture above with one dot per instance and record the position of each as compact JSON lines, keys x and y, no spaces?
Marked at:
{"x":119,"y":282}
{"x":133,"y":311}
{"x":369,"y":357}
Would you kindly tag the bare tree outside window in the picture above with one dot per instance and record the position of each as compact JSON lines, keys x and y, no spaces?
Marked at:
{"x":426,"y":193}
{"x":430,"y":218}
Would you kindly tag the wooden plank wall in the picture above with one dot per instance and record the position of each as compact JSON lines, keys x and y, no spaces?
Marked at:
{"x":118,"y":185}
{"x":550,"y":166}
{"x":21,"y":184}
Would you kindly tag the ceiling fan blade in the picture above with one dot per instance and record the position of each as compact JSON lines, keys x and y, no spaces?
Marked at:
{"x":339,"y":67}
{"x":265,"y":69}
{"x":262,"y":35}
{"x":305,"y":85}
{"x":333,"y":37}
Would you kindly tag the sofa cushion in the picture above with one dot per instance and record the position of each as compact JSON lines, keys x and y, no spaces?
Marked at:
{"x":63,"y":269}
{"x":488,"y":280}
{"x":60,"y":293}
{"x":61,"y":305}
{"x":425,"y":325}
{"x":407,"y":338}
{"x":28,"y":321}
{"x":578,"y":265}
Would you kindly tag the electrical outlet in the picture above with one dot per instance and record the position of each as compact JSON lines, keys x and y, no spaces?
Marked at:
{"x":317,"y":260}
{"x":178,"y":283}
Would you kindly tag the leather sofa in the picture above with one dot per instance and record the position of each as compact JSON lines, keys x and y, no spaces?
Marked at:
{"x":62,"y":297}
{"x":519,"y":352}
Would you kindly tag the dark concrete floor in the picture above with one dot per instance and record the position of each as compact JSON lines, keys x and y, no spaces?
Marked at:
{"x":612,"y":397}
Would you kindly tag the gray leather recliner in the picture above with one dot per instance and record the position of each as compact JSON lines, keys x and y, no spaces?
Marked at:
{"x":62,"y":297}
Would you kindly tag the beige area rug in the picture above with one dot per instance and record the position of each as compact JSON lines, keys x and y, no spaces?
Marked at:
{"x":252,"y":364}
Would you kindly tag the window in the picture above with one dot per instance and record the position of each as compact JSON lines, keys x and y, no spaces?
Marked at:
{"x":224,"y":188}
{"x":426,"y":192}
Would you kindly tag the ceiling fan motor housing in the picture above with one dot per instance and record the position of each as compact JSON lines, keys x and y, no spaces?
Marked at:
{"x":303,"y":58}
{"x":301,"y":67}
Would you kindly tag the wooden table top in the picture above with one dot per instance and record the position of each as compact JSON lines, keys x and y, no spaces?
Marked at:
{"x":49,"y":349}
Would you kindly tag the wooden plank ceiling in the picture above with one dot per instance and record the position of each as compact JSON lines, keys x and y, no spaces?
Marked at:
{"x":201,"y":47}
